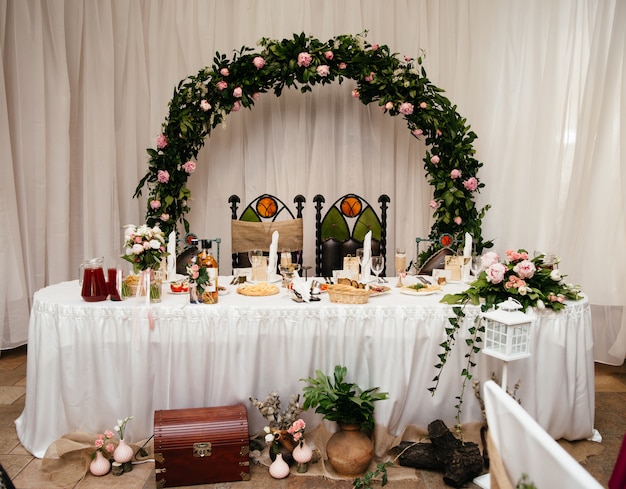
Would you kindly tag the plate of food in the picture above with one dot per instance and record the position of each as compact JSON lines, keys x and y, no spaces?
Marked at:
{"x":376,"y":290}
{"x":261,"y":289}
{"x":420,"y":289}
{"x":179,"y":287}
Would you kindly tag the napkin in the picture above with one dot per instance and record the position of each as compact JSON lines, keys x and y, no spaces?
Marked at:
{"x":467,"y":256}
{"x":273,"y":258}
{"x":171,"y":258}
{"x":367,"y":258}
{"x":301,"y":287}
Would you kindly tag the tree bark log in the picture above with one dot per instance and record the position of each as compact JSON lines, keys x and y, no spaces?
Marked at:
{"x":460,"y":462}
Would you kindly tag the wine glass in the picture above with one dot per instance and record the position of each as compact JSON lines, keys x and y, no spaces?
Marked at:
{"x":378,"y":263}
{"x":476,"y":265}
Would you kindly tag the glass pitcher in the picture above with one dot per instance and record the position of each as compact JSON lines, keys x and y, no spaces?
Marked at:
{"x":91,"y":276}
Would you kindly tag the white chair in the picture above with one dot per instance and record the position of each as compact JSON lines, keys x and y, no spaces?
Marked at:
{"x":525,"y":448}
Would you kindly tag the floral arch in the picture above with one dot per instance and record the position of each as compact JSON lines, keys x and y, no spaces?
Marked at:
{"x":399,"y":86}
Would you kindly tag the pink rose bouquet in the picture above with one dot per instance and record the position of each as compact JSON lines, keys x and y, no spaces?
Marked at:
{"x":526,"y":280}
{"x":103,"y":444}
{"x":296,"y":430}
{"x":144,"y":247}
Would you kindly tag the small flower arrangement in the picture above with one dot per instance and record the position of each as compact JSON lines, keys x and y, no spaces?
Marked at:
{"x":103,"y":444}
{"x":296,"y":430}
{"x":199,"y":276}
{"x":527,"y":280}
{"x":144,"y":247}
{"x":121,"y":426}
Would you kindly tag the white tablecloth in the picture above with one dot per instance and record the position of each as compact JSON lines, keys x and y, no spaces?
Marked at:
{"x":90,"y":364}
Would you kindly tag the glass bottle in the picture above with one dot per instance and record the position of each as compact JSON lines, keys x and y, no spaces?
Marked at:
{"x":206,"y":259}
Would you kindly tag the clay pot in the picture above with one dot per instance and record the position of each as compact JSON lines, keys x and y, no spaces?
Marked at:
{"x":350,"y":451}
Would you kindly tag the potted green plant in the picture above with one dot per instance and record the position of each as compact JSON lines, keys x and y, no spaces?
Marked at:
{"x":349,"y":450}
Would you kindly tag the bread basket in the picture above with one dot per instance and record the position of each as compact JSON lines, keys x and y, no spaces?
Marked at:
{"x":346,"y":294}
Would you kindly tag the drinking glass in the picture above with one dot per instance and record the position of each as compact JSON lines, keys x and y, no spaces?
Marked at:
{"x":400,"y":264}
{"x":476,"y":265}
{"x":378,"y":263}
{"x":253,"y":256}
{"x":359,"y":255}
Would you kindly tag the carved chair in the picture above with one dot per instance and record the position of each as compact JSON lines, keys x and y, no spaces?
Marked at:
{"x":253,"y":229}
{"x":340,"y":232}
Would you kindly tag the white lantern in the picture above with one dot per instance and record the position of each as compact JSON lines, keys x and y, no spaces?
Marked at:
{"x":507,"y":331}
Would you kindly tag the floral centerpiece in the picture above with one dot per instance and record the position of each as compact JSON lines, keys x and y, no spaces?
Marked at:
{"x":144,"y":247}
{"x":526,"y":280}
{"x":529,"y":281}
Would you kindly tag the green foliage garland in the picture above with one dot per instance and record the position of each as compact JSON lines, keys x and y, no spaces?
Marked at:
{"x":399,"y":86}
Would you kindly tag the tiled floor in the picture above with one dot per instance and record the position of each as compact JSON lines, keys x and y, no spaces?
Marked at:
{"x":26,"y":470}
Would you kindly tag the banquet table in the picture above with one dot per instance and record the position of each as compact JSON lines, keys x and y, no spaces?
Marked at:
{"x":90,"y":364}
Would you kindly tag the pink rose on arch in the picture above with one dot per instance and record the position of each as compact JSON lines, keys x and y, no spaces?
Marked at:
{"x":454,"y":174}
{"x":256,"y":96}
{"x":525,"y":269}
{"x":329,"y":55}
{"x":458,"y":220}
{"x":406,"y":108}
{"x":417,"y":132}
{"x":489,"y":259}
{"x":163,"y":176}
{"x":355,"y":93}
{"x":389,"y":105}
{"x":495,"y":273}
{"x":342,"y":66}
{"x":433,"y":204}
{"x":161,"y":141}
{"x":236,"y":106}
{"x":407,"y":58}
{"x":237,"y":92}
{"x":221,"y":85}
{"x":204,"y":105}
{"x":258,"y":62}
{"x":224,"y":72}
{"x":155,"y":204}
{"x":165,"y":217}
{"x":370,"y":77}
{"x":435,"y":159}
{"x":438,"y":132}
{"x":374,"y":47}
{"x":323,"y":70}
{"x":423,"y":105}
{"x":304,"y":59}
{"x":471,"y":184}
{"x":190,"y":166}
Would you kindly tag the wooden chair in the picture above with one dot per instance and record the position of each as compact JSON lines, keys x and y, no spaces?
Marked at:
{"x":342,"y":229}
{"x":191,"y":247}
{"x":437,"y":259}
{"x":253,"y":229}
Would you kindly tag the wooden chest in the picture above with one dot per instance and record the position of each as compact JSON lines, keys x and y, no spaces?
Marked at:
{"x":201,"y":445}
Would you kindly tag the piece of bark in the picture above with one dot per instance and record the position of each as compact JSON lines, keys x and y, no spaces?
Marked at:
{"x":464,"y":465}
{"x":460,"y":462}
{"x":419,"y":456}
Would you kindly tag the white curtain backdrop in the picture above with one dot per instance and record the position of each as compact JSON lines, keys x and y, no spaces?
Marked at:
{"x":86,"y":88}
